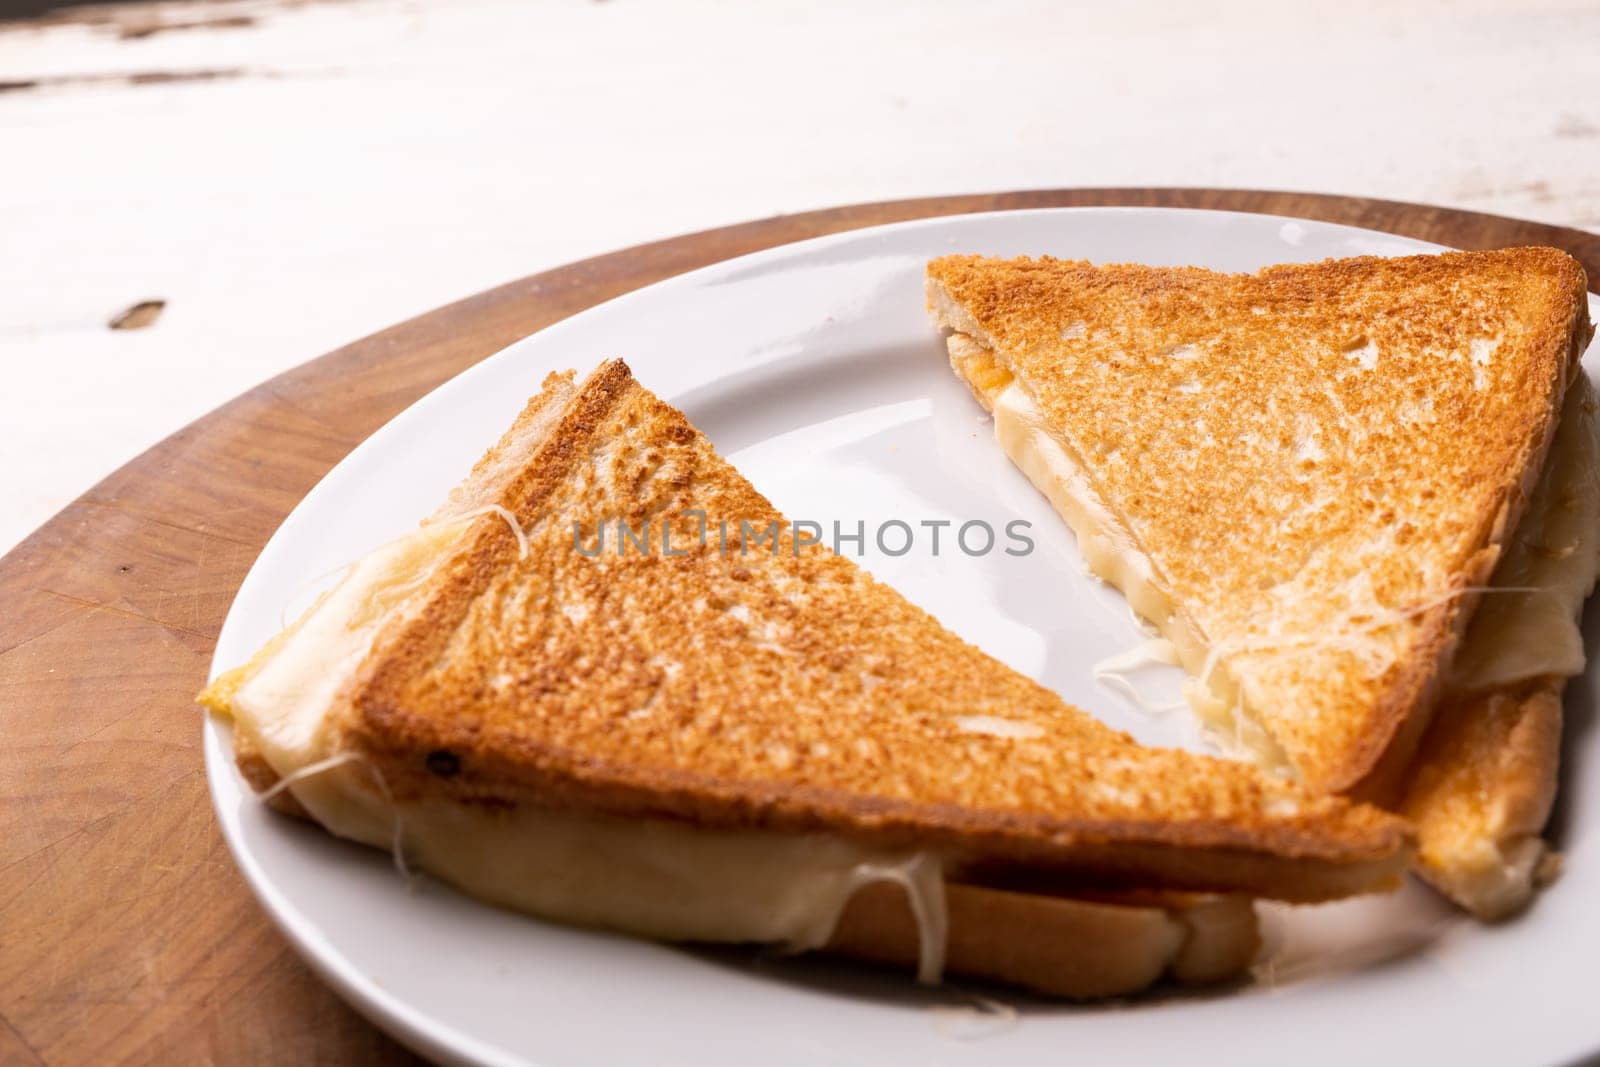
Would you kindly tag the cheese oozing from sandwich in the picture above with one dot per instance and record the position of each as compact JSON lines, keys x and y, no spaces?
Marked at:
{"x":650,"y":878}
{"x":1515,"y":635}
{"x":1548,"y":570}
{"x":1110,"y":552}
{"x":673,"y":882}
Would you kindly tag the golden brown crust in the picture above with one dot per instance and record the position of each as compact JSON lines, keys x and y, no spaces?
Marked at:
{"x":1309,"y":446}
{"x":1481,"y":791}
{"x":787,"y":691}
{"x":1077,"y":949}
{"x":1405,"y":710}
{"x":508,"y":460}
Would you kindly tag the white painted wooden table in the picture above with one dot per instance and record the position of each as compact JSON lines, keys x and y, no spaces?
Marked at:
{"x":290,"y":176}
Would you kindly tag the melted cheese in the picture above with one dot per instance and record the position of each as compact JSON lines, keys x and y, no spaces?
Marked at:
{"x":1111,"y":554}
{"x":282,"y":696}
{"x":1113,"y":671}
{"x":1556,"y":550}
{"x":1106,"y":544}
{"x":1514,"y":636}
{"x":651,"y":878}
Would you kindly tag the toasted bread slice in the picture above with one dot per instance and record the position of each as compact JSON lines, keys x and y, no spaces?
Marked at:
{"x":1073,"y":948}
{"x":1481,"y":792}
{"x":1485,"y":778}
{"x":1303,"y":476}
{"x":697,"y":742}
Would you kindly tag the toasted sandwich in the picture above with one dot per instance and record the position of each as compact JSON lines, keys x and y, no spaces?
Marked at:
{"x":1315,"y":481}
{"x":685,"y":736}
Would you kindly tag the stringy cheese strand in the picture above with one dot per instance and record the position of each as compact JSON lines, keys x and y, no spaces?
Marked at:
{"x":396,"y":847}
{"x":504,"y":513}
{"x":1112,"y":672}
{"x":926,"y":896}
{"x":310,"y":769}
{"x":1348,"y":639}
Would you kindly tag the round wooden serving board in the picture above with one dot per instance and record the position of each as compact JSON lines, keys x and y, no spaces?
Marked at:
{"x":125,"y":932}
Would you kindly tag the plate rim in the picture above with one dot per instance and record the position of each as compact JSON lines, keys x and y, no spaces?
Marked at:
{"x":415,"y":1026}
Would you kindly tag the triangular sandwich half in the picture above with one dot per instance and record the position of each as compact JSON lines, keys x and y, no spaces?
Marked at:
{"x":1305,"y":478}
{"x":685,"y":733}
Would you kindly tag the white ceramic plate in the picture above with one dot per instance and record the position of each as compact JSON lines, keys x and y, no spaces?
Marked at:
{"x":813,"y":367}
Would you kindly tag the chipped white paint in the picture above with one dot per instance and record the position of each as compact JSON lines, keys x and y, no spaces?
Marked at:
{"x":346,"y":166}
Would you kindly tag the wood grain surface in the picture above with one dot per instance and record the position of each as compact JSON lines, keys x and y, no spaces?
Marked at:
{"x":126,"y":935}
